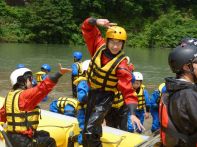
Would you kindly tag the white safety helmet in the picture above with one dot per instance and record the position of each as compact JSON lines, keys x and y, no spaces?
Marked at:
{"x":138,"y":76}
{"x":85,"y":65}
{"x":17,"y":73}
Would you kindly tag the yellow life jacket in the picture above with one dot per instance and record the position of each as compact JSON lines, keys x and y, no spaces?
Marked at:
{"x":141,"y":99}
{"x":39,"y":76}
{"x":18,"y":120}
{"x":118,"y":100}
{"x":103,"y":77}
{"x":63,"y":101}
{"x":80,"y":71}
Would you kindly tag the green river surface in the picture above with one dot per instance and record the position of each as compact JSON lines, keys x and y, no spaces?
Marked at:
{"x":152,"y":63}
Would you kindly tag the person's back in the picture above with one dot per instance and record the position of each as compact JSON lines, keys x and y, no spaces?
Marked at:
{"x":77,"y":70}
{"x":178,"y":106}
{"x":42,"y":75}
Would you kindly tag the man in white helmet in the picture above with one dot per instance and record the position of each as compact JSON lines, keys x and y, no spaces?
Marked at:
{"x":22,"y":113}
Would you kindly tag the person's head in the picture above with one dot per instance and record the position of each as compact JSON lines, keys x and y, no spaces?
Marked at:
{"x":85,"y":65}
{"x":116,"y":37}
{"x":46,"y":68}
{"x":188,"y":41}
{"x":77,"y":56}
{"x":138,"y":80}
{"x":20,"y":66}
{"x":183,"y":61}
{"x":21,"y":78}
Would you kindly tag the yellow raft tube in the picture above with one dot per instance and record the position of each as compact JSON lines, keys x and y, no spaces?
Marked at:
{"x":62,"y":127}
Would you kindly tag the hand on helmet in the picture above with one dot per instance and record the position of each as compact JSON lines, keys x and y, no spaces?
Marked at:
{"x":63,"y":70}
{"x":105,"y":23}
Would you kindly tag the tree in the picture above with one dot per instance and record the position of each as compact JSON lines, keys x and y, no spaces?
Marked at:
{"x":52,"y":21}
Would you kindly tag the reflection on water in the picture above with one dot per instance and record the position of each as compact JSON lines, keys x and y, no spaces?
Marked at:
{"x":152,"y":63}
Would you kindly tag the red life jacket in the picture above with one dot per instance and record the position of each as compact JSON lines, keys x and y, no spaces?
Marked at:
{"x":169,"y":135}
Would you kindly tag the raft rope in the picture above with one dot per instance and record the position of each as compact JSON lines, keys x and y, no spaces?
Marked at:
{"x":57,"y":126}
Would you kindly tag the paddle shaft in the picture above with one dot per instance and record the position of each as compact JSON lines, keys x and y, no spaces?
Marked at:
{"x":8,"y":143}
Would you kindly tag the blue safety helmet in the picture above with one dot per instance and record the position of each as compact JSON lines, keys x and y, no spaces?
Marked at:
{"x":77,"y":55}
{"x":46,"y":67}
{"x":20,"y":66}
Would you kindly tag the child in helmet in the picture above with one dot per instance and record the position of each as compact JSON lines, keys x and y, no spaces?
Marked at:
{"x":76,"y":70}
{"x":21,"y":111}
{"x":154,"y":106}
{"x":107,"y":72}
{"x":143,"y":108}
{"x":43,"y":74}
{"x":23,"y":66}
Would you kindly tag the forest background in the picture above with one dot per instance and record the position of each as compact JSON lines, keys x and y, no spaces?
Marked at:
{"x":149,"y":23}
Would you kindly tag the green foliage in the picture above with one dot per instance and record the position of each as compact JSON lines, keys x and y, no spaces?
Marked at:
{"x":167,"y":31}
{"x":11,"y":29}
{"x":52,"y":22}
{"x":155,"y":23}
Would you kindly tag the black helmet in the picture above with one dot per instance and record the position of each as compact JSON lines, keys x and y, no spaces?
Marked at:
{"x":181,"y":55}
{"x":188,"y":41}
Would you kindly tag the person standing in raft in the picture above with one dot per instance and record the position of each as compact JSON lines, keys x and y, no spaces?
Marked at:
{"x":107,"y":72}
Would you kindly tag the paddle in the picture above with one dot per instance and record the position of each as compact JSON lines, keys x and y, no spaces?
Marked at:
{"x":8,"y":143}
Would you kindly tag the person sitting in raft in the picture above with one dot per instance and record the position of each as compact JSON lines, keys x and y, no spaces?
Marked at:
{"x":76,"y":70}
{"x":143,"y":108}
{"x":20,"y":109}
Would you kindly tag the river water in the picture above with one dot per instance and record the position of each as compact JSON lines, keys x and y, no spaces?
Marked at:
{"x":151,"y":62}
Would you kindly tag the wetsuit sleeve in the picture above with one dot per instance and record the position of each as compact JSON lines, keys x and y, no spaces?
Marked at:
{"x":147,"y":101}
{"x":29,"y":98}
{"x":124,"y":85}
{"x":92,"y":35}
{"x":74,"y":69}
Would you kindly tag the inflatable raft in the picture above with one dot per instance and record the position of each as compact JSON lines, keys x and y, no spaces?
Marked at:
{"x":62,"y":128}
